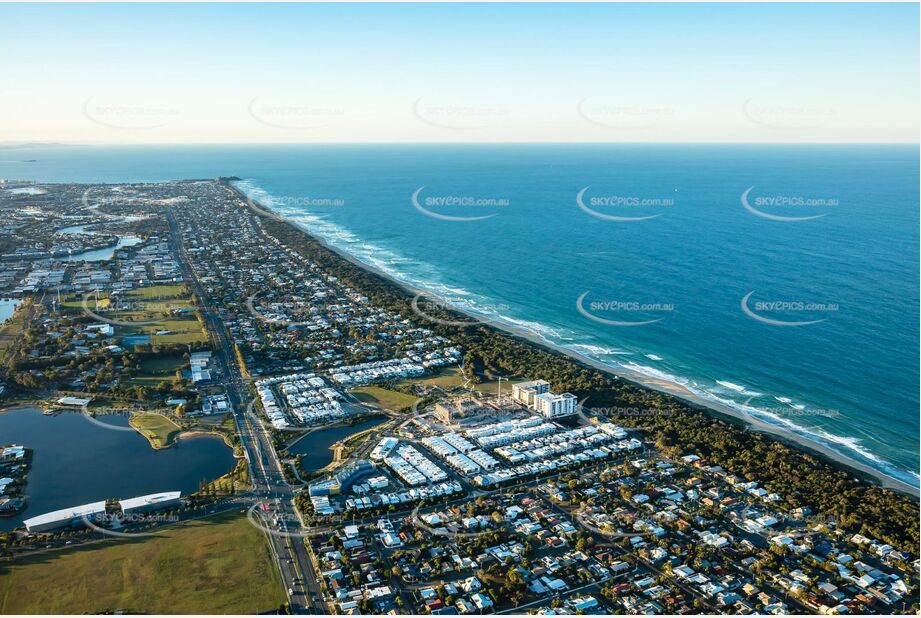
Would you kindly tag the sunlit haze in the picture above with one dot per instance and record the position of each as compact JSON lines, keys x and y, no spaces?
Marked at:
{"x":452,"y":73}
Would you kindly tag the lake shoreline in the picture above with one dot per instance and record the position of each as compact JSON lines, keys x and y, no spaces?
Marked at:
{"x":322,"y":446}
{"x":77,"y":461}
{"x":723,"y":412}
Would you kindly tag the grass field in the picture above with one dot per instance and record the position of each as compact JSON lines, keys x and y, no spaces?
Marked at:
{"x":384,"y":398}
{"x":447,"y":378}
{"x":214,"y":566}
{"x":150,"y":304}
{"x":159,"y":292}
{"x":185,"y":329}
{"x":452,"y":377}
{"x":148,"y":381}
{"x":489,"y":387}
{"x":160,"y":431}
{"x":163,"y":365}
{"x":157,"y":369}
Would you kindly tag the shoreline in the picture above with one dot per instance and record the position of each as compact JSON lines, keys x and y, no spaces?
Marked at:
{"x":203,"y":433}
{"x":721,"y":411}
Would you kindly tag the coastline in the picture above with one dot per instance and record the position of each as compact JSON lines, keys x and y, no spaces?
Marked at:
{"x":721,"y":411}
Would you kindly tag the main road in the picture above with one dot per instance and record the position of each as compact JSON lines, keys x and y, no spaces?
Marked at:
{"x":276,"y":508}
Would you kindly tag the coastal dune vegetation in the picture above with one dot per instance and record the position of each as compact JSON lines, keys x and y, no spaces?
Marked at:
{"x":800,"y":477}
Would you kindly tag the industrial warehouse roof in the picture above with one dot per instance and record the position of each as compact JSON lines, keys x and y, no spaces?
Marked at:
{"x":148,"y":500}
{"x":72,"y":512}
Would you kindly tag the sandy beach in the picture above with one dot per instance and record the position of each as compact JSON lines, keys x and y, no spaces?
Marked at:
{"x":685,"y":395}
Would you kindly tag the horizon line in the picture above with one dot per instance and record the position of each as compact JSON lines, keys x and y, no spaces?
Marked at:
{"x":36,"y":144}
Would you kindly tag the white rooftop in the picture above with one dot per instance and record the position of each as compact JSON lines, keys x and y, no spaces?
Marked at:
{"x":72,"y":512}
{"x":149,"y":499}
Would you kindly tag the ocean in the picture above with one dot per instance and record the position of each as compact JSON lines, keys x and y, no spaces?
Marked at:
{"x":780,"y":280}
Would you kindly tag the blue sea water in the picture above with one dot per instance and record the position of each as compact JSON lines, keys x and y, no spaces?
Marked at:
{"x":689,"y":291}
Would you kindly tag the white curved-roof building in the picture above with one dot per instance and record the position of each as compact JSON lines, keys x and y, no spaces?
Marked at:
{"x":150,"y":502}
{"x":64,"y":517}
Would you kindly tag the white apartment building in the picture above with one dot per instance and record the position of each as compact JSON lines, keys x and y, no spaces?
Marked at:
{"x":537,"y":396}
{"x":551,"y":405}
{"x":526,"y":392}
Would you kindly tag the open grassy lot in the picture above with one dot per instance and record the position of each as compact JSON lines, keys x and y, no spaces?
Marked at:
{"x":159,"y":430}
{"x":159,"y":292}
{"x":384,"y":398}
{"x":447,"y":378}
{"x":183,"y":329}
{"x":151,"y":304}
{"x":490,"y":387}
{"x":148,"y":381}
{"x":164,"y":365}
{"x":211,"y":566}
{"x":452,"y":377}
{"x":73,"y":302}
{"x":157,"y":369}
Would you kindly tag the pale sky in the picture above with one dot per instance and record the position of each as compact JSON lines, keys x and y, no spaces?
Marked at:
{"x":235,"y":73}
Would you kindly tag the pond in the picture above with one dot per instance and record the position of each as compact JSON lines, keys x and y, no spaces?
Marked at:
{"x":7,"y":308}
{"x":75,"y":461}
{"x":315,"y":447}
{"x":105,"y":253}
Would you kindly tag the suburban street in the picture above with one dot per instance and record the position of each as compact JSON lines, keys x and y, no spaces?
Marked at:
{"x":285,"y":537}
